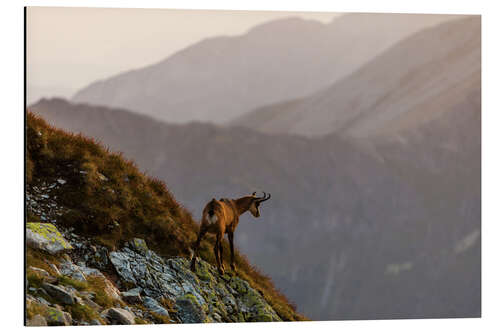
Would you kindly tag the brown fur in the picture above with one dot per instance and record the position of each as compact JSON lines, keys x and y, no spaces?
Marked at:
{"x":222,"y":217}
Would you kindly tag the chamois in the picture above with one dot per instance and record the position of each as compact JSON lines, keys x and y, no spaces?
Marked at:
{"x":221,"y":217}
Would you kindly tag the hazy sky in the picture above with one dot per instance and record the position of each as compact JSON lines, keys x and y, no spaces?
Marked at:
{"x":67,"y":48}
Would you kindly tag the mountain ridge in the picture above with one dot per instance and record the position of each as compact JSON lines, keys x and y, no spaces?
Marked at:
{"x":220,"y":78}
{"x":402,"y":82}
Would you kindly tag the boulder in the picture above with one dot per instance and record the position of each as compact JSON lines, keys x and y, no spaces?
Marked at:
{"x":45,"y":236}
{"x":60,"y":294}
{"x":119,"y":316}
{"x":132,"y":296}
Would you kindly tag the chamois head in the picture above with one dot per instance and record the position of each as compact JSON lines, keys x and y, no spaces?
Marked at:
{"x":256,"y":201}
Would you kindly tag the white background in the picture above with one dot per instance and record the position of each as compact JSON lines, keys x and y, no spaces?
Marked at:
{"x":11,"y":176}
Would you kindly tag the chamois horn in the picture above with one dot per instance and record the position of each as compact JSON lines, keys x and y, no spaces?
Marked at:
{"x":264,"y":198}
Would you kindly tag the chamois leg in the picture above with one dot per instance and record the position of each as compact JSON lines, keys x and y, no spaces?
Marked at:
{"x":203,"y":231}
{"x":217,"y":256}
{"x":221,"y":256}
{"x":231,"y":245}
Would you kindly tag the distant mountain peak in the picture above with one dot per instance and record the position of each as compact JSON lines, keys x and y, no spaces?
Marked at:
{"x":286,"y":23}
{"x":414,"y":81}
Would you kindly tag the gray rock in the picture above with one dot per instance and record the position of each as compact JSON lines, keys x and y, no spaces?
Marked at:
{"x":132,"y":296}
{"x":37,"y":320}
{"x":59,"y":293}
{"x":121,"y":261}
{"x":152,"y":305}
{"x":88,"y":271}
{"x":146,"y":272}
{"x":69,"y":269}
{"x":119,"y":316}
{"x":43,"y":301}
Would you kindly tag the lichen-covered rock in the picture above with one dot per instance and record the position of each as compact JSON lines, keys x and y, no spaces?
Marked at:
{"x":119,"y":316}
{"x":156,"y":290}
{"x":145,"y":271}
{"x":45,"y":236}
{"x":139,"y":245}
{"x":56,"y":317}
{"x":201,"y":296}
{"x":189,"y":310}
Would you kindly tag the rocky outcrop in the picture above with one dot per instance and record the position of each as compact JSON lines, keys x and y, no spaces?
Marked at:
{"x":202,"y":296}
{"x":91,"y":286}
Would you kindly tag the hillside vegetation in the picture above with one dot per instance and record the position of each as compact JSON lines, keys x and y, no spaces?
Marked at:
{"x":104,"y":196}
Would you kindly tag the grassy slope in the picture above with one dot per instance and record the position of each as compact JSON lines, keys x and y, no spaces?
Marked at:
{"x":140,"y":205}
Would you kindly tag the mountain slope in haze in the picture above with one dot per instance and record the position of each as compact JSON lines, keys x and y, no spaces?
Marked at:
{"x":355,"y":229}
{"x":414,"y":81}
{"x":221,"y":78}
